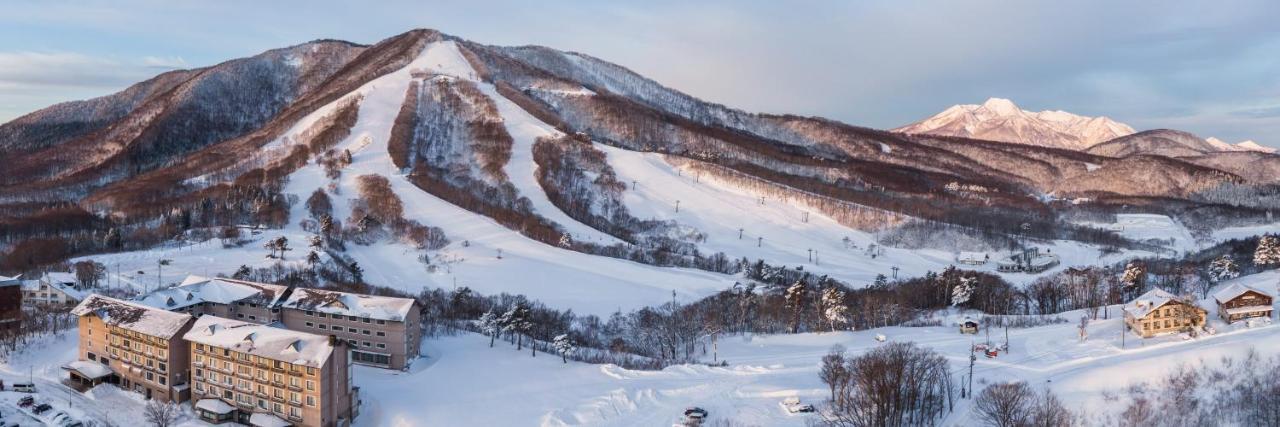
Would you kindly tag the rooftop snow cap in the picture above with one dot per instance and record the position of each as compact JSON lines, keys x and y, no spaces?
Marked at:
{"x":299,"y":348}
{"x":133,"y":316}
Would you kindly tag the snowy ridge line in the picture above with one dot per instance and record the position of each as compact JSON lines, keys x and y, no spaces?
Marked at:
{"x":713,"y":170}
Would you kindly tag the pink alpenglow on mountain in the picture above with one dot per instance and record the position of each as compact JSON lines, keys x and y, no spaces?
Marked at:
{"x":1000,"y":119}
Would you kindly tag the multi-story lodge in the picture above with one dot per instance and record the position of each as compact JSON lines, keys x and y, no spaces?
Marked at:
{"x":137,"y":347}
{"x":380,"y":331}
{"x":267,"y":376}
{"x":10,"y":306}
{"x":1239,"y":302}
{"x":52,"y":288}
{"x":1159,"y":312}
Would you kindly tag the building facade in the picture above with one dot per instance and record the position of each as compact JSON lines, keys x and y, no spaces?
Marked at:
{"x":141,"y":347}
{"x":1158,"y":312}
{"x":380,"y":331}
{"x":10,"y":306}
{"x":52,"y":289}
{"x":268,"y":376}
{"x":1239,"y":302}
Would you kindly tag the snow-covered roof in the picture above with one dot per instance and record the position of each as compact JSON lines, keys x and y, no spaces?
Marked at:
{"x":9,"y":281}
{"x":299,"y":348}
{"x":972,"y":256}
{"x":87,"y":369}
{"x":30,"y":285}
{"x":196,"y":289}
{"x":1234,"y":291}
{"x":1146,"y":303}
{"x":57,"y":277}
{"x":347,"y":304}
{"x":133,"y":316}
{"x":216,"y":406}
{"x":264,"y":419}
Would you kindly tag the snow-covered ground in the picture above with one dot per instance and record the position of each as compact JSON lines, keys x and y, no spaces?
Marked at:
{"x":464,"y":382}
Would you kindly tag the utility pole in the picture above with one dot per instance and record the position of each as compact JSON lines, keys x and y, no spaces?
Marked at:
{"x":677,"y":206}
{"x":810,"y":255}
{"x":739,"y":234}
{"x":972,"y":359}
{"x":633,"y":185}
{"x":759,"y":241}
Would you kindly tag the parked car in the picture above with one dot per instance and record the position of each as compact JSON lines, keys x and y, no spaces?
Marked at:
{"x":26,"y":401}
{"x":41,"y":408}
{"x":24,"y":388}
{"x":695,"y":415}
{"x":793,"y":405}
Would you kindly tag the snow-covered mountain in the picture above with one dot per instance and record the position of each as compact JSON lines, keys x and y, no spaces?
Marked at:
{"x":1000,"y":119}
{"x":429,"y":151}
{"x":1246,"y":145}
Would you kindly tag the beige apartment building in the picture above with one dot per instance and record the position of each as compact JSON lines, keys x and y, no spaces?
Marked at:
{"x":380,"y":331}
{"x":260,"y":375}
{"x":134,"y":346}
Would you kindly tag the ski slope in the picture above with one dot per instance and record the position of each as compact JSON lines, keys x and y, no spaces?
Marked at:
{"x":778,"y":232}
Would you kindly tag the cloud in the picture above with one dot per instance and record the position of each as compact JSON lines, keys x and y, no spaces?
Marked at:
{"x":1258,"y":113}
{"x":166,"y":63}
{"x":39,"y":71}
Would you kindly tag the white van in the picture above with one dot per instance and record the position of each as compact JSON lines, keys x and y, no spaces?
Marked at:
{"x":24,"y":388}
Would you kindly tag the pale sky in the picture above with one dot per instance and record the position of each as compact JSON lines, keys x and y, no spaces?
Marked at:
{"x":1211,"y":68}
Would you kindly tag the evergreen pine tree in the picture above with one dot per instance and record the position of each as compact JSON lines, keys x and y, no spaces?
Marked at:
{"x":1223,"y":268}
{"x":564,"y":346}
{"x":1268,"y":252}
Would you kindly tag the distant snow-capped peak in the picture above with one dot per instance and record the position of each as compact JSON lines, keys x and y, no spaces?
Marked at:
{"x":1253,"y":146}
{"x":1246,"y":145}
{"x":999,"y":119}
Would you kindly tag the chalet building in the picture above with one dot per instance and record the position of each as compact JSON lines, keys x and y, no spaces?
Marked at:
{"x":973,"y":258}
{"x":1027,"y":261}
{"x":52,"y":289}
{"x":380,"y":331}
{"x":1158,"y":312}
{"x":1239,"y":302}
{"x":137,"y":347}
{"x":10,"y":306}
{"x":261,"y":375}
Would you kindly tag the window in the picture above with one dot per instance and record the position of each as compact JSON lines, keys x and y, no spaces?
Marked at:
{"x":381,"y":345}
{"x":352,"y":342}
{"x":200,"y":387}
{"x":295,"y":398}
{"x":382,"y":322}
{"x":311,"y":401}
{"x":337,"y":328}
{"x":253,"y":317}
{"x":93,"y":357}
{"x":319,"y":314}
{"x":162,"y":380}
{"x":351,"y":318}
{"x":311,"y":385}
{"x":199,"y":373}
{"x":163,"y":367}
{"x":311,"y":325}
{"x":365,"y":320}
{"x":382,"y":334}
{"x":240,"y":315}
{"x":262,"y":403}
{"x":150,"y":376}
{"x":309,"y":312}
{"x":367,"y":344}
{"x":278,"y":409}
{"x":322,"y":326}
{"x":366,"y":332}
{"x":240,"y":303}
